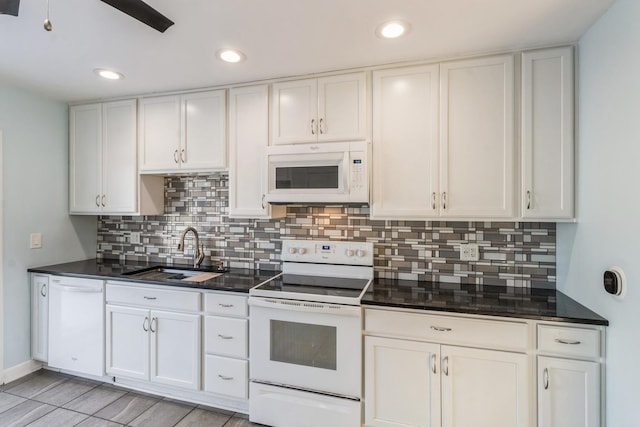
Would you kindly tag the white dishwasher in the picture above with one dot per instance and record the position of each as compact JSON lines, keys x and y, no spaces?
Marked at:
{"x":76,"y":325}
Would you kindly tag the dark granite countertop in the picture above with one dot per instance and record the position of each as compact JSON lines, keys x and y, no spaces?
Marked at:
{"x":236,"y":280}
{"x":528,"y":303}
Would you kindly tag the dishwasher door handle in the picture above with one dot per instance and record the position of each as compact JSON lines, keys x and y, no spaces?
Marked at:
{"x":82,"y":289}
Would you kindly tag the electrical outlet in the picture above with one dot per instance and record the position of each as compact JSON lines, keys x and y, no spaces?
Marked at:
{"x":469,"y":252}
{"x":134,"y":238}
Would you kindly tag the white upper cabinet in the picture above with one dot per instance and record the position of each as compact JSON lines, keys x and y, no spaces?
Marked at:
{"x":318,"y":110}
{"x":103,"y":175}
{"x":477,"y":138}
{"x":405,"y":142}
{"x":547,"y":134}
{"x":183,"y":133}
{"x":248,"y":138}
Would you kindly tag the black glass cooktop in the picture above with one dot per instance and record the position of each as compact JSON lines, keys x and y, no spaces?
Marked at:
{"x":315,"y":285}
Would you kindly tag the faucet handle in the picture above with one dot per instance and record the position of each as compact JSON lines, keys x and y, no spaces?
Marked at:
{"x":199,"y":255}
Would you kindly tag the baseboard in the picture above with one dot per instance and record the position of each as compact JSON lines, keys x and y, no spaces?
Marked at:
{"x":19,"y":371}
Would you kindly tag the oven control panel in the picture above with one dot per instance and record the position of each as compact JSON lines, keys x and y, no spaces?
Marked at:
{"x":328,"y":252}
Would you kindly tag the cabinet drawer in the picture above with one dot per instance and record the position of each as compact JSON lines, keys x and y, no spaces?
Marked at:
{"x":448,"y":329}
{"x":226,"y":336}
{"x":228,"y":305}
{"x":153,"y":297}
{"x":568,"y":341}
{"x":226,"y":376}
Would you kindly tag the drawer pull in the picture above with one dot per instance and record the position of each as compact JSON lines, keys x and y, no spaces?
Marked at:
{"x":545,"y":378}
{"x":225,"y":305}
{"x":570,"y":342}
{"x":150,"y":298}
{"x":433,"y":363}
{"x":225,"y":337}
{"x":445,"y":365}
{"x":222,"y":377}
{"x":441,"y":329}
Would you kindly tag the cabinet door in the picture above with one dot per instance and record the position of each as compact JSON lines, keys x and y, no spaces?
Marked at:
{"x":248,"y":138}
{"x":39,"y":317}
{"x":391,"y":365}
{"x":547,"y":134}
{"x":405,"y":142}
{"x":484,"y":388}
{"x":204,"y":137}
{"x":476,"y":138}
{"x":342,"y":107}
{"x":568,"y":393}
{"x":159,"y":134}
{"x":127,"y":336}
{"x":175,"y":349}
{"x":120,"y":169}
{"x":85,"y":163}
{"x":294,"y":112}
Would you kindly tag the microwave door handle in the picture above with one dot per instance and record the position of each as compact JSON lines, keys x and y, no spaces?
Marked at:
{"x":347,"y":174}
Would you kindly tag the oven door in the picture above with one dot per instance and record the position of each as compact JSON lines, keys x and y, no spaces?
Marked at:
{"x":306,"y":345}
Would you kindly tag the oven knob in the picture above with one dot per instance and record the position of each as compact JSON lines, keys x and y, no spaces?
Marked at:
{"x":360,"y":253}
{"x":302,"y":251}
{"x":348,"y":252}
{"x":292,"y":250}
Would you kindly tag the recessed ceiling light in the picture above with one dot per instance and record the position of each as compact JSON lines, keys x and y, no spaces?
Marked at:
{"x":108,"y":74}
{"x":230,"y":55}
{"x":393,"y":29}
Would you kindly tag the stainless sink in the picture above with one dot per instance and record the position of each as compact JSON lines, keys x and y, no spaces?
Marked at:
{"x":169,"y":273}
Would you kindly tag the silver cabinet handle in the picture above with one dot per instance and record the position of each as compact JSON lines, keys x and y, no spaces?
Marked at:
{"x":145,"y":324}
{"x":545,"y":378}
{"x":98,"y":200}
{"x":570,"y":342}
{"x":222,"y":377}
{"x":445,"y":365}
{"x":444,"y":200}
{"x":433,"y":200}
{"x":175,"y":156}
{"x":313,"y":125}
{"x":528,"y":199}
{"x":225,"y":305}
{"x":433,"y":363}
{"x":43,"y":290}
{"x":262,"y":201}
{"x":155,"y":319}
{"x":225,"y":337}
{"x":183,"y":156}
{"x":321,"y":126}
{"x":103,"y":200}
{"x":150,"y":298}
{"x":441,"y":329}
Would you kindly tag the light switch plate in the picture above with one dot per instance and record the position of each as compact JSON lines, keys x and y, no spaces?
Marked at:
{"x":469,"y":252}
{"x":35,"y":240}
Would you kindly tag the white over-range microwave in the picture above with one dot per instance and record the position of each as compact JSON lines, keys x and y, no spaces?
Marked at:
{"x":319,"y":173}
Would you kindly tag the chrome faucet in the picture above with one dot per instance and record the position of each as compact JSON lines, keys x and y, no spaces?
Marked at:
{"x":198,"y":255}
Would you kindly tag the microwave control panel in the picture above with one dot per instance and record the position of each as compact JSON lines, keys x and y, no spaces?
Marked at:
{"x":359,"y":176}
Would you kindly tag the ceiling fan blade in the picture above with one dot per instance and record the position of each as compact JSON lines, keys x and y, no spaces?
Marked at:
{"x":9,"y":7}
{"x":142,"y":12}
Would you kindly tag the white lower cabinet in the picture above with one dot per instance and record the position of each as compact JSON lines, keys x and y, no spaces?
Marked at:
{"x":568,"y":393}
{"x":39,"y":317}
{"x":409,"y":383}
{"x":226,"y":345}
{"x":484,"y":388}
{"x":160,"y":346}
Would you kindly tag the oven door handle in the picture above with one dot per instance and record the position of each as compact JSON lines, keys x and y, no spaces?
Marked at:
{"x":305,"y":306}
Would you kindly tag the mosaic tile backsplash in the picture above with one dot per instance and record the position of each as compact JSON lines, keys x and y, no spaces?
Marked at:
{"x":513,"y":254}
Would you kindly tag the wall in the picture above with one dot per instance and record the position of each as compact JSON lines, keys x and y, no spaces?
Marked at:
{"x":34,"y":168}
{"x":514,"y":254}
{"x":608,"y":197}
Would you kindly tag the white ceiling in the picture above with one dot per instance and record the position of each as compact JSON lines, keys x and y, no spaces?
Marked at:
{"x":280,"y":38}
